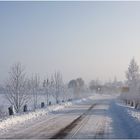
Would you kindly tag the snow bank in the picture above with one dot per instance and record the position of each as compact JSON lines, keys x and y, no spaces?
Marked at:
{"x":133,"y":113}
{"x":11,"y":121}
{"x":29,"y":117}
{"x":129,"y":118}
{"x":25,"y":118}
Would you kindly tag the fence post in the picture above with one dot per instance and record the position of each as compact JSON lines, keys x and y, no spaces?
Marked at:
{"x":50,"y":103}
{"x":42,"y":105}
{"x":25,"y":108}
{"x":11,"y":111}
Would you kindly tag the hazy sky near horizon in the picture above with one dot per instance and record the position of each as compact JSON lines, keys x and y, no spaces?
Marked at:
{"x":81,"y":39}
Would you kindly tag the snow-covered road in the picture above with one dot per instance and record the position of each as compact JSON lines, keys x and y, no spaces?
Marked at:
{"x":94,"y":118}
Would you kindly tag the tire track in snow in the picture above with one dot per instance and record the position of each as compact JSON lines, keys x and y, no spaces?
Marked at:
{"x":100,"y":130}
{"x":78,"y":121}
{"x":47,"y":128}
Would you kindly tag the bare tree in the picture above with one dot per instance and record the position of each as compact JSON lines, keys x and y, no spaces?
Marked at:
{"x":80,"y":87}
{"x":34,"y":84}
{"x":16,"y":91}
{"x":80,"y":82}
{"x":46,"y":86}
{"x":58,"y":84}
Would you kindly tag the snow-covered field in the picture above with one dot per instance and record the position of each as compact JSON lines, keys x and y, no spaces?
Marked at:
{"x":107,"y":119}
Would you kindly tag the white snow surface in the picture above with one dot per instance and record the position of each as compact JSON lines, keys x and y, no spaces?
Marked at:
{"x":26,"y":118}
{"x":109,"y":115}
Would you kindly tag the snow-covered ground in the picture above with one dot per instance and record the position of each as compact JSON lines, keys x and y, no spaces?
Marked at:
{"x":107,"y":119}
{"x":130,"y":118}
{"x":29,"y":117}
{"x":4,"y":103}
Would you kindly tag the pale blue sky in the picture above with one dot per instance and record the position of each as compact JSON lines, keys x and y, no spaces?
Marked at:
{"x":80,"y":39}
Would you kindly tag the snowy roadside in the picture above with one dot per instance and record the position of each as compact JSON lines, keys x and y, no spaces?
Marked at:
{"x":129,"y":121}
{"x":29,"y":117}
{"x":135,"y":113}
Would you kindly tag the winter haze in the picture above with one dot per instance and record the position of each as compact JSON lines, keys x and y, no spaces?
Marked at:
{"x":80,"y":39}
{"x":69,"y":70}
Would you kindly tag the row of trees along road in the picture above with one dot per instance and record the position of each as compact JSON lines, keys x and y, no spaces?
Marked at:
{"x":132,"y":84}
{"x":20,"y":89}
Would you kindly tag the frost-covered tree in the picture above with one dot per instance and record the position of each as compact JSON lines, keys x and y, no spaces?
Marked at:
{"x":80,"y":87}
{"x":94,"y":85}
{"x":46,"y":87}
{"x":132,"y":74}
{"x":34,"y":87}
{"x":80,"y":82}
{"x":16,"y":87}
{"x":72,"y":84}
{"x":72,"y":87}
{"x":133,"y":83}
{"x":76,"y":86}
{"x":58,"y":85}
{"x":65,"y":94}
